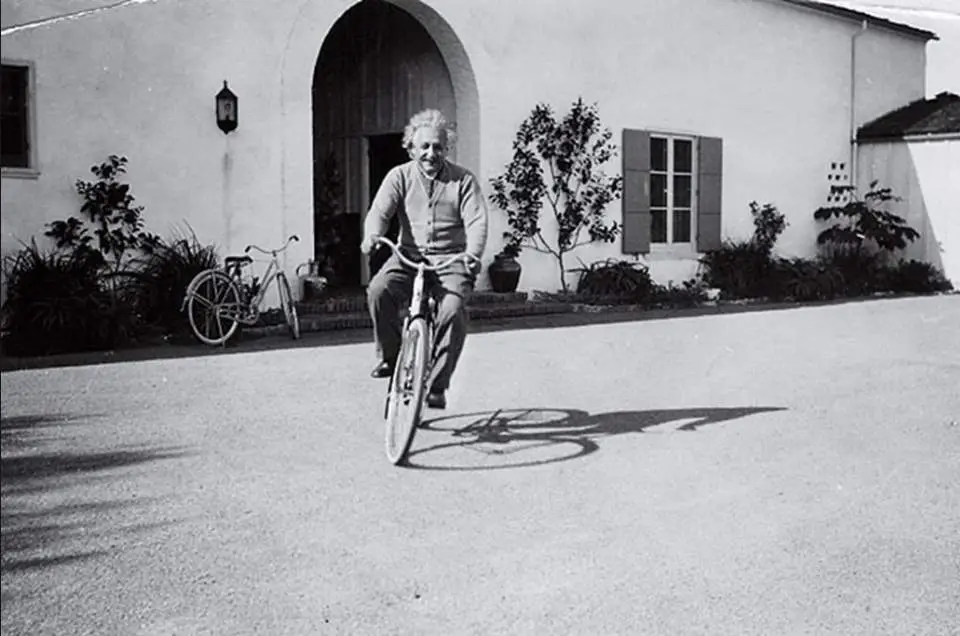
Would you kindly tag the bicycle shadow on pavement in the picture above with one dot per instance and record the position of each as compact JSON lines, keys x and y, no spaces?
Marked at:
{"x":525,"y":437}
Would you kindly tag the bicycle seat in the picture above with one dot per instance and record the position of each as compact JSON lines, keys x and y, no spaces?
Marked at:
{"x":237,"y":260}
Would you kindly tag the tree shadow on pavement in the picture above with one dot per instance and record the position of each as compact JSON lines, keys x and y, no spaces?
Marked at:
{"x":518,"y":438}
{"x":42,"y":523}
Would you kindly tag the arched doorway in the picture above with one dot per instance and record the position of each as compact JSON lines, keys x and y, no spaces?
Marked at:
{"x":377,"y":66}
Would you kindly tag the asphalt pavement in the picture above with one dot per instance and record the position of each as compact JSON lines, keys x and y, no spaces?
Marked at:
{"x":769,"y":472}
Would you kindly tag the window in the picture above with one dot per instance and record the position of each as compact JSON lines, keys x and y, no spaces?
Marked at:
{"x":671,"y":191}
{"x":15,"y":127}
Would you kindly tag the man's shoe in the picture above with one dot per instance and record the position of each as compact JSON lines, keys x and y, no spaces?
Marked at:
{"x":436,"y":400}
{"x":382,"y":370}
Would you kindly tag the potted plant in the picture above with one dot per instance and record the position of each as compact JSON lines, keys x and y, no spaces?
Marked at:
{"x":504,"y":271}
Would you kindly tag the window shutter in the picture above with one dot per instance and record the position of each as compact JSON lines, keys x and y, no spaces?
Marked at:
{"x":636,"y":192}
{"x":709,"y":180}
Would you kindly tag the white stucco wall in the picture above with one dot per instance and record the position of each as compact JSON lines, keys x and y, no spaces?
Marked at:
{"x":771,"y":80}
{"x":923,"y":174}
{"x":140,"y":81}
{"x":938,"y":16}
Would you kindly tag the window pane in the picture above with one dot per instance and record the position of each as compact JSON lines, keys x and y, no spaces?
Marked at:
{"x":681,"y":191}
{"x":681,"y":226}
{"x":683,"y":155}
{"x":658,"y":190}
{"x":13,"y":129}
{"x":658,"y":226}
{"x":658,"y":153}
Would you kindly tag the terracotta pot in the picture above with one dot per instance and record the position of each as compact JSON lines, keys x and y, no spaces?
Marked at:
{"x":504,"y":273}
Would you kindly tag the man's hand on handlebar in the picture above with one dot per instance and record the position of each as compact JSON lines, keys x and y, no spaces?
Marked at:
{"x":368,"y":243}
{"x":473,"y":263}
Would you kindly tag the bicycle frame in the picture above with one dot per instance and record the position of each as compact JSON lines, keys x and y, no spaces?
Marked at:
{"x":250,"y":311}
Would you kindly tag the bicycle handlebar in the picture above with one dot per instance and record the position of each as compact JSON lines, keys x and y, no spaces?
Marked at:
{"x":293,"y":237}
{"x":431,"y":268}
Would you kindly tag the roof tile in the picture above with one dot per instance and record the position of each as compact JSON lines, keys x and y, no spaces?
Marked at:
{"x":923,"y":117}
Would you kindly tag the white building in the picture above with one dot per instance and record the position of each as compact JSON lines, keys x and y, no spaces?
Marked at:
{"x":915,"y":151}
{"x":766,"y":95}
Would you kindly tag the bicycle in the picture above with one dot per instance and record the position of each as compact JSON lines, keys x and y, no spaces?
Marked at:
{"x":408,"y":385}
{"x":218,"y":301}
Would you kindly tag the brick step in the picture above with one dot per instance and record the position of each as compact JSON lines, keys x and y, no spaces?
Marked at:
{"x":512,"y":310}
{"x":358,"y":303}
{"x":329,"y":321}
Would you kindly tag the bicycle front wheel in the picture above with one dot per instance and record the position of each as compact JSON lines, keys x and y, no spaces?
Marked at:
{"x":407,"y":388}
{"x":213,"y":305}
{"x":289,"y":308}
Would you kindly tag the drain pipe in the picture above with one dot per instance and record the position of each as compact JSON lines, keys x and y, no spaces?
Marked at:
{"x":853,"y":103}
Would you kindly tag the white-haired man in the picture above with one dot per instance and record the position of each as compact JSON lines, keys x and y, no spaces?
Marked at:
{"x":442,"y":212}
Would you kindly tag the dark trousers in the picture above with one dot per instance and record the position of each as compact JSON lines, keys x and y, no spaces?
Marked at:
{"x":389,"y":292}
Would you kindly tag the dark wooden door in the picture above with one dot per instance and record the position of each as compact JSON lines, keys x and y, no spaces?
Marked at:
{"x":384,"y":152}
{"x":377,"y":67}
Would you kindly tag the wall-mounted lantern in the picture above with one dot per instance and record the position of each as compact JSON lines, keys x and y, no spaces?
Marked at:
{"x":226,"y":109}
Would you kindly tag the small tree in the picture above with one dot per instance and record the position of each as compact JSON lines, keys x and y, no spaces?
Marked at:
{"x":571,"y":151}
{"x":109,"y":207}
{"x":863,"y":222}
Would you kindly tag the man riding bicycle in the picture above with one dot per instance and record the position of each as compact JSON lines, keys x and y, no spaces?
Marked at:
{"x":442,"y":212}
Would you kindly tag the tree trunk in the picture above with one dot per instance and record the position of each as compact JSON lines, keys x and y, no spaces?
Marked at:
{"x":563,"y":273}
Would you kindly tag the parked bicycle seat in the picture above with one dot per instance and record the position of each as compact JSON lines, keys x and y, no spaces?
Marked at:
{"x":237,"y":260}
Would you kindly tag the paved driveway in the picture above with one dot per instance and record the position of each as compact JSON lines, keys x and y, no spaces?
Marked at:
{"x":779,"y":472}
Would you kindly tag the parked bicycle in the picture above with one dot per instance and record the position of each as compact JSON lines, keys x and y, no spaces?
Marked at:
{"x":407,"y":387}
{"x":219,"y":300}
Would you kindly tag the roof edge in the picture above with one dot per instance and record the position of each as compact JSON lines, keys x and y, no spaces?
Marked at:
{"x":913,"y":138}
{"x":853,"y":15}
{"x":889,"y":125}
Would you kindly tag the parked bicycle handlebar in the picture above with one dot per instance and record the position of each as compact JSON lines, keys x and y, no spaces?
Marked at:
{"x":431,"y":268}
{"x":293,"y":237}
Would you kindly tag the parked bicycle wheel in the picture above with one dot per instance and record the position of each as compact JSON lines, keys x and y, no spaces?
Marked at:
{"x":213,"y":303}
{"x":289,"y":308}
{"x":407,"y":387}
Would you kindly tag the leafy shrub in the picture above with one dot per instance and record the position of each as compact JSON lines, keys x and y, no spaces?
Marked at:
{"x":615,"y":279}
{"x":623,"y":282}
{"x":161,"y":278}
{"x":916,"y":277}
{"x":863,"y":224}
{"x":739,"y":269}
{"x":57,"y":302}
{"x":746,"y":268}
{"x":861,"y":244}
{"x":768,"y":224}
{"x":807,"y":279}
{"x":109,"y":207}
{"x":863,"y":272}
{"x":105,"y":282}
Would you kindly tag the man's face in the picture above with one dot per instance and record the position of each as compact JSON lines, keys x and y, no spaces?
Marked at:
{"x":429,"y":149}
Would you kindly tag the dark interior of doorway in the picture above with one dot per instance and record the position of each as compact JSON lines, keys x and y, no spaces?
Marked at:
{"x":384,"y":152}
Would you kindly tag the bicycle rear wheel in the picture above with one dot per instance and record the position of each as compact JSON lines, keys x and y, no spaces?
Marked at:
{"x":289,"y":308}
{"x":407,"y":388}
{"x":213,"y":304}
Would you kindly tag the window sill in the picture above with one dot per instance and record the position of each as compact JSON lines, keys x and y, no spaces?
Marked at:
{"x":20,"y":173}
{"x":664,"y":252}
